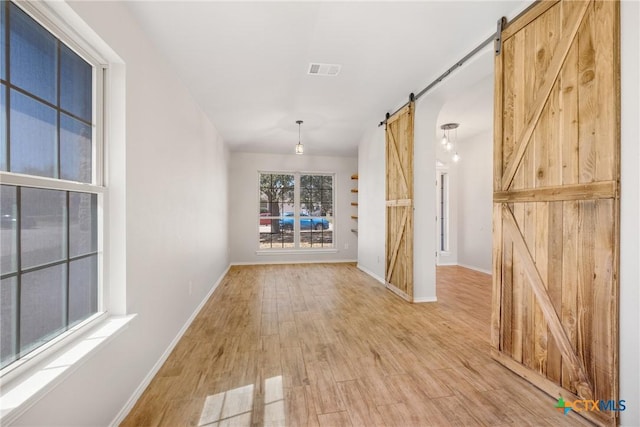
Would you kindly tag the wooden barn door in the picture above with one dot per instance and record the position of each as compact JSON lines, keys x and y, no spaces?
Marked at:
{"x":556,"y":200}
{"x":399,"y":196}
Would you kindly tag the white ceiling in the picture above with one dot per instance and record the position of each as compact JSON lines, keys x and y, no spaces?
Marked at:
{"x":246,"y":62}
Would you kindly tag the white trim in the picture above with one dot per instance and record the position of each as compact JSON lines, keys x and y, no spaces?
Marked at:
{"x":329,"y":261}
{"x":295,"y":251}
{"x":470,"y":267}
{"x":50,"y":18}
{"x":23,"y":392}
{"x":446,"y":264}
{"x":370,"y":273}
{"x":156,"y":367}
{"x":18,"y":179}
{"x":425,"y":299}
{"x":20,"y":368}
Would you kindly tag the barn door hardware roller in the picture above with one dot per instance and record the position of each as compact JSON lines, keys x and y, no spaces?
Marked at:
{"x":497,"y":43}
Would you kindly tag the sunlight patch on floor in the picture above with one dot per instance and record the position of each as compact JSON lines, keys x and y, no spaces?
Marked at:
{"x":234,"y":407}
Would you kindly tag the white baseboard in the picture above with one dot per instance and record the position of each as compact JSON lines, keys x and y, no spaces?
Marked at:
{"x":425,"y":299}
{"x":152,"y":373}
{"x":330,"y":261}
{"x":471,"y":267}
{"x":371,"y":273}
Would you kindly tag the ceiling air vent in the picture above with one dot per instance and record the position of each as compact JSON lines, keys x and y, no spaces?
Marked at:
{"x":318,"y":69}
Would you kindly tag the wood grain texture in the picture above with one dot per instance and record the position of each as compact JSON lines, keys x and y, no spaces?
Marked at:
{"x":361,"y":356}
{"x":539,"y":288}
{"x":558,"y":136}
{"x":505,"y":118}
{"x":498,"y":328}
{"x":590,"y":191}
{"x":399,"y":203}
{"x":548,"y":80}
{"x":396,"y":162}
{"x":394,"y":252}
{"x":527,"y":17}
{"x":555,"y":250}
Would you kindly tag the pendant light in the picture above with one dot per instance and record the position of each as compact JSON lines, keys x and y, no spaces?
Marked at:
{"x":299,"y":146}
{"x":444,"y":141}
{"x":456,"y":156}
{"x":449,"y":143}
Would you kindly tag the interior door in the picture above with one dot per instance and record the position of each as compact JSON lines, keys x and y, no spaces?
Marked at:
{"x":399,"y":202}
{"x":556,"y":200}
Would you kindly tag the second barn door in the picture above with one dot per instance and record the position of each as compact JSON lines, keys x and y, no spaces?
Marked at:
{"x":399,"y":202}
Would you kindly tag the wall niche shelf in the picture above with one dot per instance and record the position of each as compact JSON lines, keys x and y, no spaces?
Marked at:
{"x":354,"y":217}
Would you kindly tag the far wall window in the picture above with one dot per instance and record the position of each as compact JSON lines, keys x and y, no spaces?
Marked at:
{"x":296,"y":211}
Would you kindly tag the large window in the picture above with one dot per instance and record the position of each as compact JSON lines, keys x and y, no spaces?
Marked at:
{"x":51,"y":189}
{"x":296,"y":211}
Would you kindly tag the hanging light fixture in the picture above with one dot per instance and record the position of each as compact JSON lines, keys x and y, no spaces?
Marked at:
{"x":299,"y":146}
{"x":450,"y":143}
{"x":456,"y":156}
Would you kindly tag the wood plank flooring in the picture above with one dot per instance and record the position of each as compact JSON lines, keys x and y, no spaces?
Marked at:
{"x":327,"y":345}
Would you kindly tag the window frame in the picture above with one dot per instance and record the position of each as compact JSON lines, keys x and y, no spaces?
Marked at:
{"x":44,"y":15}
{"x":443,"y":195}
{"x":297,"y":249}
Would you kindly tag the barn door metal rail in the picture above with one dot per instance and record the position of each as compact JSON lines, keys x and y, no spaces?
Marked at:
{"x":496,"y":38}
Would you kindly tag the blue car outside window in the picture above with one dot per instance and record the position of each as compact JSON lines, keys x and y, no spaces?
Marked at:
{"x":306,"y":222}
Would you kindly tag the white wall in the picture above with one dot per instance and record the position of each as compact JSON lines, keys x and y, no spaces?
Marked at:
{"x":424,"y":197}
{"x":630,"y":214}
{"x":371,"y":200}
{"x":168,"y":184}
{"x":474,"y":195}
{"x":244,"y":205}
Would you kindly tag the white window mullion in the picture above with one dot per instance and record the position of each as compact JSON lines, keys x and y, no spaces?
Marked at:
{"x":296,"y":210}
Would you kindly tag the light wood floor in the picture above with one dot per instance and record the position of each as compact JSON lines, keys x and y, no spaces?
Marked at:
{"x":326,"y":345}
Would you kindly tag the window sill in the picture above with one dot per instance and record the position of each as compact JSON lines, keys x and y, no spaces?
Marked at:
{"x":295,"y":251}
{"x":19,"y":393}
